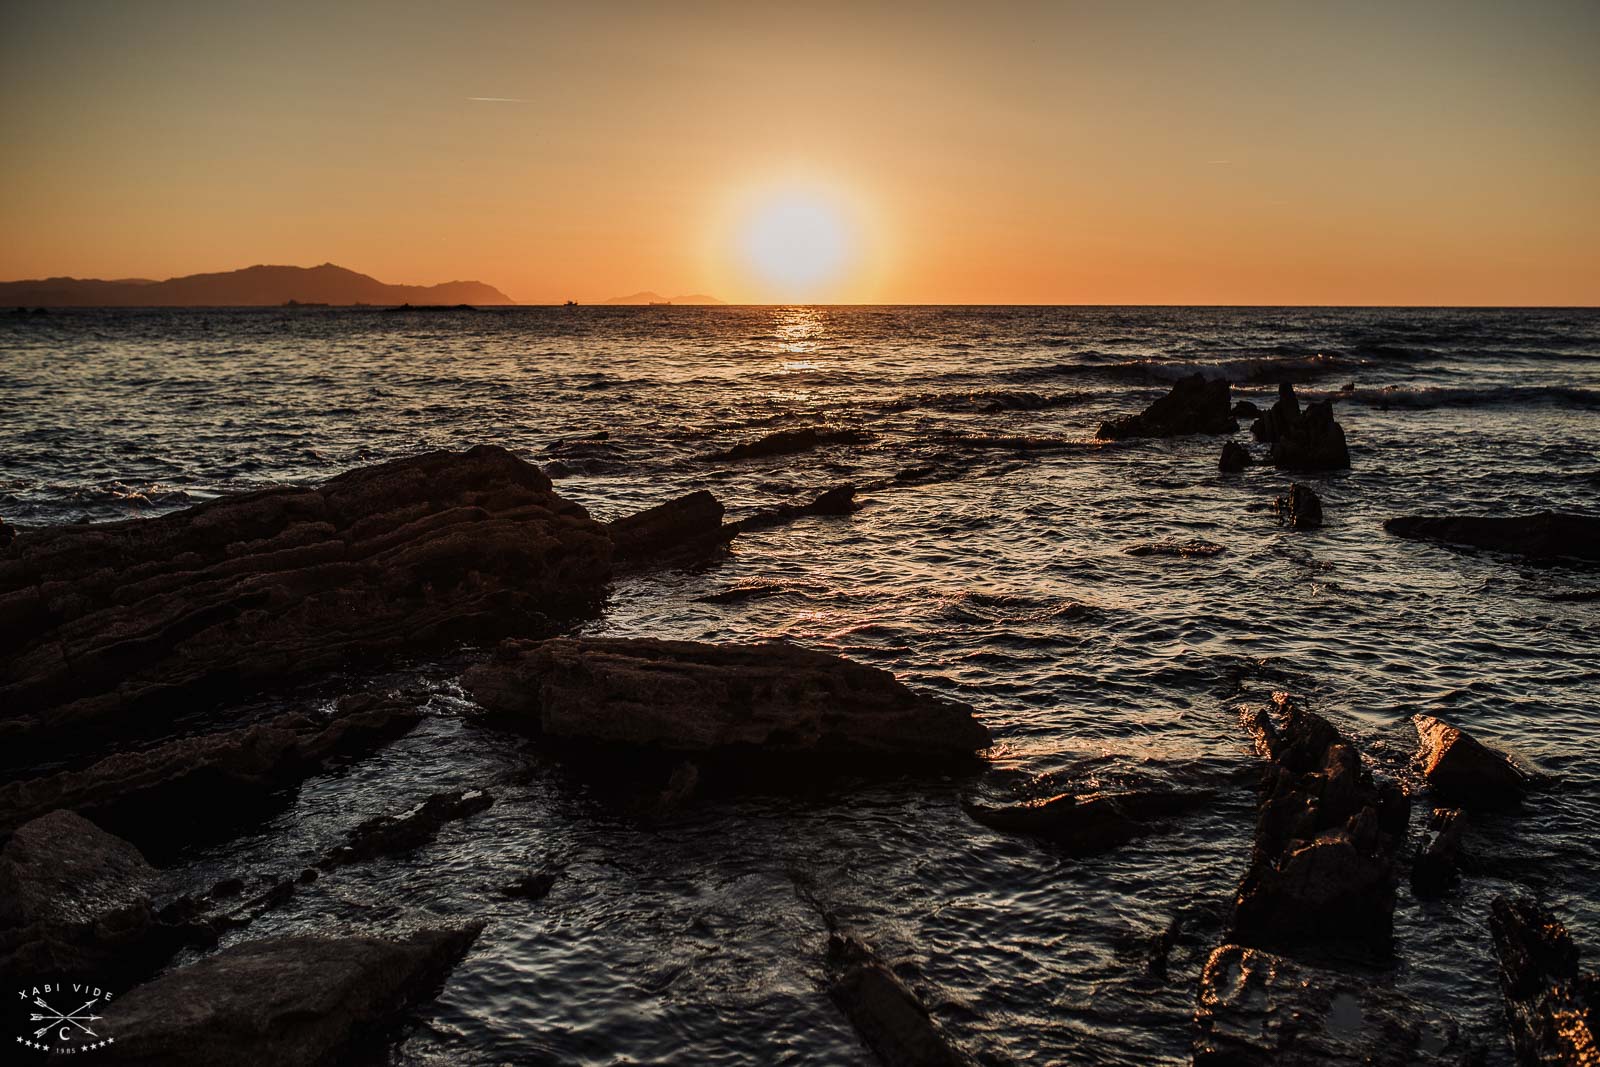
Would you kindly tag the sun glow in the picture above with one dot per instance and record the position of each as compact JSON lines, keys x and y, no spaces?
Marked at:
{"x":797,"y":244}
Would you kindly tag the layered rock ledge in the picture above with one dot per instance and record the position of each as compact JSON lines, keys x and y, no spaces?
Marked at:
{"x":1544,"y":535}
{"x":686,"y":696}
{"x":108,"y":624}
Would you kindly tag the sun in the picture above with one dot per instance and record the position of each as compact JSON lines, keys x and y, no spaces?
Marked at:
{"x":796,"y":243}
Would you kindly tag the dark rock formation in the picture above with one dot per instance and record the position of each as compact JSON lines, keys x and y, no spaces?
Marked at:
{"x":840,"y":500}
{"x":1235,"y":458}
{"x":75,"y":902}
{"x":533,"y":886}
{"x":1257,"y":1009}
{"x":1196,"y":404}
{"x":1091,"y":822}
{"x":1461,"y":770}
{"x":387,"y":834}
{"x":1188,"y":549}
{"x":120,"y":624}
{"x":688,"y":526}
{"x":8,"y":533}
{"x":1545,"y":535}
{"x":282,"y":1002}
{"x":887,"y":1015}
{"x":1244,"y":409}
{"x":1299,"y":509}
{"x":222,"y":777}
{"x":787,"y":442}
{"x":1437,"y":863}
{"x":1550,"y":1006}
{"x":1308,"y":440}
{"x":1322,"y":871}
{"x":691,"y":697}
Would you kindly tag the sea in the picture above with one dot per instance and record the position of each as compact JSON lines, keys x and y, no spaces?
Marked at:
{"x":1000,"y":558}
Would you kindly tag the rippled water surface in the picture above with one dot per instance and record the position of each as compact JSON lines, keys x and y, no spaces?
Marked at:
{"x":991,"y":569}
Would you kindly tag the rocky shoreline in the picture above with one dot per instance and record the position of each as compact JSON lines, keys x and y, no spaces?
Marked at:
{"x":119,"y":639}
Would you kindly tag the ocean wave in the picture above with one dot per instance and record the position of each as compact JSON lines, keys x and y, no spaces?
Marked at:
{"x":1440,"y":396}
{"x":1242,"y":370}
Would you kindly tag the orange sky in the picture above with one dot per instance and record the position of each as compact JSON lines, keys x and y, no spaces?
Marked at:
{"x":1241,"y":153}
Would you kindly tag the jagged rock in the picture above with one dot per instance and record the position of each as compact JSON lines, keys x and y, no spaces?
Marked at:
{"x":1437,"y":863}
{"x":787,"y":442}
{"x":1258,"y":1009}
{"x":1308,"y":440}
{"x":1091,"y":822}
{"x":1186,"y":549}
{"x":1322,"y":871}
{"x":282,"y":1002}
{"x":1235,"y":458}
{"x":386,"y":834}
{"x":888,"y":1016}
{"x":692,"y":697}
{"x":75,"y":902}
{"x":689,"y":525}
{"x":1196,"y":404}
{"x":114,"y":627}
{"x":1545,"y":535}
{"x":1550,"y":1005}
{"x":151,"y":795}
{"x":1463,"y":771}
{"x":1244,"y":409}
{"x":840,"y":500}
{"x":1299,"y":509}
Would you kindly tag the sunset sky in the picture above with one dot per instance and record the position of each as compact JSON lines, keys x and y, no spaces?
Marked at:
{"x":1240,"y":153}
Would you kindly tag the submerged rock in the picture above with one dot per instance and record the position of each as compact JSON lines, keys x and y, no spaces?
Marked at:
{"x":1463,"y":771}
{"x":160,"y":796}
{"x":840,"y":500}
{"x":387,"y":834}
{"x":75,"y":902}
{"x":1550,"y":1006}
{"x":1258,"y":1009}
{"x":788,"y":442}
{"x":890,"y":1018}
{"x":1545,"y":535}
{"x":282,"y":1002}
{"x":688,"y":696}
{"x":1091,"y":822}
{"x":1322,"y":871}
{"x":118,"y":625}
{"x":532,"y":886}
{"x":1300,"y":508}
{"x":1235,"y":458}
{"x":1437,"y":863}
{"x":1196,"y":404}
{"x":1245,"y":409}
{"x":690,"y":525}
{"x":1188,"y":549}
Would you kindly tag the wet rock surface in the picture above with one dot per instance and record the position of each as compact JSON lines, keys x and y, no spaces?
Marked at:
{"x":1437,"y":863}
{"x":1258,"y":1009}
{"x":110,"y":624}
{"x":1196,"y":548}
{"x":1235,"y":458}
{"x":388,"y":834}
{"x":165,"y":796}
{"x":1322,"y":870}
{"x":890,"y":1018}
{"x":1196,"y":404}
{"x":685,"y":696}
{"x":75,"y":902}
{"x":1091,"y":822}
{"x":686,"y":527}
{"x":840,"y":500}
{"x":1299,"y":509}
{"x":1544,"y":535}
{"x":1463,"y":771}
{"x":1302,"y":440}
{"x":1550,"y":1004}
{"x":282,"y":1002}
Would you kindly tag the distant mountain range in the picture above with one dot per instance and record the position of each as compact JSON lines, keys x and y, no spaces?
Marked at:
{"x":648,"y":297}
{"x":251,"y":286}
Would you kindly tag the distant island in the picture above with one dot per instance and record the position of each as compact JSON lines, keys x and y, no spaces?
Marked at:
{"x":250,"y":287}
{"x":648,"y":297}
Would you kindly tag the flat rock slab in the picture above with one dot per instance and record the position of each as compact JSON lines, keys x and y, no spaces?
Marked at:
{"x":152,"y":794}
{"x":890,"y":1018}
{"x":106,"y":624}
{"x":1544,"y":535}
{"x":75,"y":901}
{"x":689,"y":696}
{"x":281,"y":1002}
